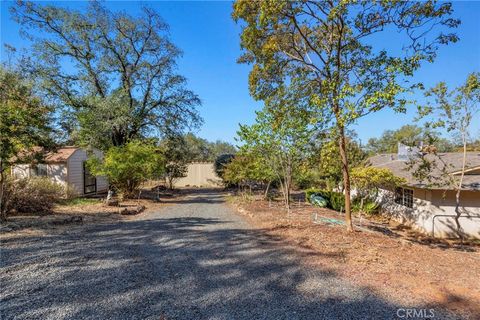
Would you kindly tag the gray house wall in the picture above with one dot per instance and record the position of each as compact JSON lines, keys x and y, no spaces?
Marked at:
{"x":430,"y":208}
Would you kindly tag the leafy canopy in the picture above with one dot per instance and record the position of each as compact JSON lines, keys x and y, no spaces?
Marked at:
{"x":24,"y":118}
{"x":367,"y":180}
{"x":409,"y":135}
{"x":113,"y":74}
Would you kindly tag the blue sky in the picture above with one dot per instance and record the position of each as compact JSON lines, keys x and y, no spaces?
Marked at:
{"x":209,"y":39}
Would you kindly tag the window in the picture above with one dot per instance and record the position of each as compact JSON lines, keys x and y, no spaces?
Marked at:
{"x":39,"y":170}
{"x":89,"y":181}
{"x":404,"y":197}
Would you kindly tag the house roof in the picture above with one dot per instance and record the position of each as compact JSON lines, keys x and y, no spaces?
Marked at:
{"x":58,"y":156}
{"x":450,"y":162}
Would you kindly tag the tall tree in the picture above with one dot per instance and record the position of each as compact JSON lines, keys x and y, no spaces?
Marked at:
{"x":453,"y":110}
{"x":114,"y":73}
{"x":326,"y":48}
{"x":24,"y":124}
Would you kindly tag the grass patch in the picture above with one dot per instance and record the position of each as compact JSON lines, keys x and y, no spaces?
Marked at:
{"x":79,"y":202}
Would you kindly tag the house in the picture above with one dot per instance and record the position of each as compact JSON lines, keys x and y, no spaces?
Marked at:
{"x":430,"y":206}
{"x":199,"y":174}
{"x":66,"y":166}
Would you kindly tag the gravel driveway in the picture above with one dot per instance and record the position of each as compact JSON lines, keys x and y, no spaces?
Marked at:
{"x":194,"y":260}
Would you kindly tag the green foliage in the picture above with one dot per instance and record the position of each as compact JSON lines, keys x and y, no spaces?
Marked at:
{"x":221,"y":163}
{"x":330,"y":164}
{"x":279,"y":139}
{"x":32,"y":195}
{"x":323,"y":49}
{"x":176,"y":155}
{"x":367,"y":180}
{"x":245,"y":168}
{"x":335,"y":200}
{"x":126,"y":167}
{"x":409,"y":135}
{"x":367,"y":206}
{"x":121,"y":81}
{"x":308,"y":176}
{"x":202,"y":150}
{"x":24,"y":124}
{"x":79,"y":201}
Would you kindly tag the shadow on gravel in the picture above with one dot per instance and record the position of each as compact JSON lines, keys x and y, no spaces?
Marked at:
{"x":173,"y":268}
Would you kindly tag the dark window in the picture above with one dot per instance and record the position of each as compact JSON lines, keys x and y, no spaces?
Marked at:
{"x":89,"y":181}
{"x":404,"y":197}
{"x":39,"y":170}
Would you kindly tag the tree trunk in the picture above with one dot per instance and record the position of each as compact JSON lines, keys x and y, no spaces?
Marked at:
{"x":458,"y":213}
{"x":346,"y":177}
{"x":3,"y":207}
{"x":265,"y":195}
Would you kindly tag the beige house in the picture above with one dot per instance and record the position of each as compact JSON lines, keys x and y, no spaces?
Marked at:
{"x":430,"y":207}
{"x":66,"y":166}
{"x":200,"y":174}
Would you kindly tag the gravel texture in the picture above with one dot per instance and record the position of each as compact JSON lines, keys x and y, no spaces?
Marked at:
{"x":194,"y":260}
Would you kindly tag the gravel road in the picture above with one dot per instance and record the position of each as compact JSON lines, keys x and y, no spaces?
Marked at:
{"x":194,"y":260}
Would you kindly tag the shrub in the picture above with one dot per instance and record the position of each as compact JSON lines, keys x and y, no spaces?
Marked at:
{"x":370,"y":206}
{"x":33,"y":195}
{"x":221,"y":163}
{"x":335,"y":200}
{"x":126,"y":167}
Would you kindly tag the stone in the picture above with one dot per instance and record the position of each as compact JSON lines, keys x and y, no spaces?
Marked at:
{"x":111,"y":202}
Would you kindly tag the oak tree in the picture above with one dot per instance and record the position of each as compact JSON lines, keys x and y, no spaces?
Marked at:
{"x":113,"y":74}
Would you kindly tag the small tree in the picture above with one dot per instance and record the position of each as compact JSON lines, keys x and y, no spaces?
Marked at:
{"x":247,"y":168}
{"x":221,"y":163}
{"x":368,"y":180}
{"x":24,"y":124}
{"x":281,"y":137}
{"x":127,"y":167}
{"x":176,"y":156}
{"x":454,"y":111}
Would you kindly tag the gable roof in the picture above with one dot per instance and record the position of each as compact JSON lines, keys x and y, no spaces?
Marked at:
{"x":450,"y":161}
{"x":60,"y":155}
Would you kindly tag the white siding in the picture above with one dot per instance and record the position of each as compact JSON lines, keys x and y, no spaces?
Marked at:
{"x":70,"y":172}
{"x":75,"y":171}
{"x":58,"y":173}
{"x":21,"y":171}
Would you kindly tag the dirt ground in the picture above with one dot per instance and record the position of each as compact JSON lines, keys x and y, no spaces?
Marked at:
{"x":391,"y":260}
{"x":88,"y":210}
